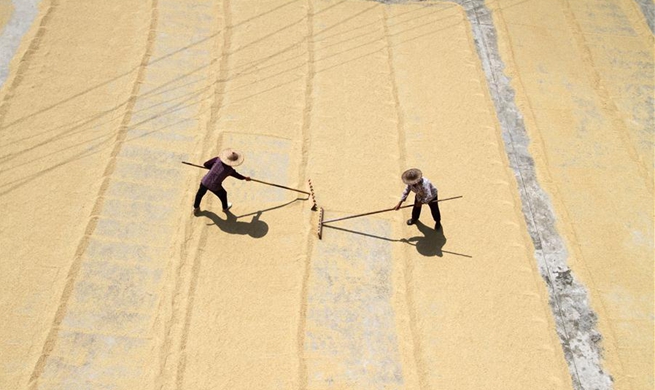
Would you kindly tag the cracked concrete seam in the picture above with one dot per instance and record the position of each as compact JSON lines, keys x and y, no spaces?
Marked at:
{"x":575,"y":321}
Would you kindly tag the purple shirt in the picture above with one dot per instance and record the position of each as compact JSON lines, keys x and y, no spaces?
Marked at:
{"x":217,"y":173}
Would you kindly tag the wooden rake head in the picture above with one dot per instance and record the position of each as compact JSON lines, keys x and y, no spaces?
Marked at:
{"x":315,"y":207}
{"x":321,"y":221}
{"x":312,"y":195}
{"x":319,"y":231}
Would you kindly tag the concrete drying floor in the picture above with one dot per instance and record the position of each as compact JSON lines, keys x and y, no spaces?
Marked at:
{"x":538,"y":112}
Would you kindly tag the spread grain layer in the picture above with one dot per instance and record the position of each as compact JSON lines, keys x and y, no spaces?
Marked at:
{"x":538,"y":112}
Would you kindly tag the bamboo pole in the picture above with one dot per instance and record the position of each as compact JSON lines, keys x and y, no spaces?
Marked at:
{"x":280,"y":186}
{"x":256,"y":180}
{"x":383,"y":211}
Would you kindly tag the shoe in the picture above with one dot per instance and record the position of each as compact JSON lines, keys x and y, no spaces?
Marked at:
{"x":437,"y":226}
{"x":196,"y":211}
{"x":229,"y":206}
{"x":410,"y":222}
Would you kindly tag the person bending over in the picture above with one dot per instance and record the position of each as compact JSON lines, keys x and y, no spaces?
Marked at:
{"x":220,"y":168}
{"x":426,"y":193}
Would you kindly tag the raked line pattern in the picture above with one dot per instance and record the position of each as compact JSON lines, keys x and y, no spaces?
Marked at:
{"x":111,"y":310}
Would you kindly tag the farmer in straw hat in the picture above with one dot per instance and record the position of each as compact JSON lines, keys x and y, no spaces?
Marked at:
{"x":219,"y":169}
{"x":425,"y":193}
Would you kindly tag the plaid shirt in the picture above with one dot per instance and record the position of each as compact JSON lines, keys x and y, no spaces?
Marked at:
{"x":424,"y":190}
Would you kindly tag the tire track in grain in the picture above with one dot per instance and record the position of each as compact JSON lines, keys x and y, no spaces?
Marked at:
{"x":602,"y":92}
{"x":215,"y":112}
{"x":91,"y":225}
{"x":306,"y":143}
{"x":402,"y":165}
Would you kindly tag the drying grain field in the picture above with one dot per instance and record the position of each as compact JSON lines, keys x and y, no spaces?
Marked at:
{"x":538,"y":113}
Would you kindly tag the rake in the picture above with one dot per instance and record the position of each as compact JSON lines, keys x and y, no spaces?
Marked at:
{"x":310,"y":192}
{"x":321,"y":214}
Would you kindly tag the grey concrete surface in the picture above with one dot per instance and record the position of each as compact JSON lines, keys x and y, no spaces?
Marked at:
{"x":350,"y":320}
{"x":575,"y":320}
{"x":648,"y":9}
{"x":569,"y":301}
{"x":21,"y":19}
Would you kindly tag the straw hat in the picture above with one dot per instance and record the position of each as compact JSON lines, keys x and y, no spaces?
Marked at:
{"x":231,"y":157}
{"x":412,"y":176}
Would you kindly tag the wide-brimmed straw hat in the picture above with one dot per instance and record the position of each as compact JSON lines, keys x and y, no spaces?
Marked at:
{"x":412,"y":176}
{"x":231,"y":157}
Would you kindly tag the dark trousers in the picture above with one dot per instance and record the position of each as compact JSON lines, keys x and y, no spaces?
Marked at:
{"x":434,"y":208}
{"x":222,"y":195}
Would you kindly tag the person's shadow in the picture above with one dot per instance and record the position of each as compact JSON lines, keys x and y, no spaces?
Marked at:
{"x":255,"y":228}
{"x":430,"y":244}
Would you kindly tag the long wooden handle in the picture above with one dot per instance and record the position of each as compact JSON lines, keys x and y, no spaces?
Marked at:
{"x":385,"y":210}
{"x":258,"y":181}
{"x":194,"y":165}
{"x":280,"y":186}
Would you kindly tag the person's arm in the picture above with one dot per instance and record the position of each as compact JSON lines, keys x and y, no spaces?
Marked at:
{"x":239,"y":176}
{"x":405,"y":193}
{"x":403,"y":197}
{"x":210,"y":163}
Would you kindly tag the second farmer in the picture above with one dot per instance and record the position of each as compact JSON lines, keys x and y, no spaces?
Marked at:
{"x":426,"y":193}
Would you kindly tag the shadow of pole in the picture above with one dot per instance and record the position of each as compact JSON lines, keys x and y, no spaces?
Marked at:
{"x":256,"y":228}
{"x":428,"y":245}
{"x":272,"y":208}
